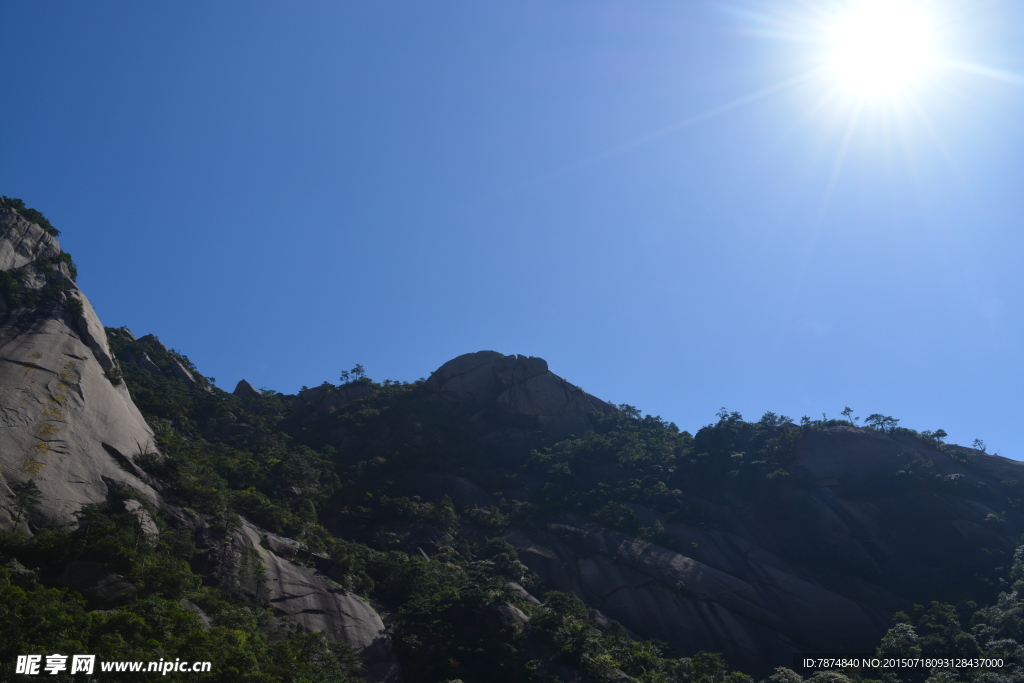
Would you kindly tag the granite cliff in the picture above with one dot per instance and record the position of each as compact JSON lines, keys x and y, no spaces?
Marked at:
{"x":494,"y":522}
{"x":70,"y":427}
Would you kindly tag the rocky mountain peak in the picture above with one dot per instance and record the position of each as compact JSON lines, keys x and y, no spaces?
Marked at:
{"x":516,"y":385}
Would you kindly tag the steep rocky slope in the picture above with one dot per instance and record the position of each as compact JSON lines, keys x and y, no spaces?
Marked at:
{"x":71,"y":429}
{"x":505,"y":524}
{"x":66,"y":426}
{"x":850,"y":525}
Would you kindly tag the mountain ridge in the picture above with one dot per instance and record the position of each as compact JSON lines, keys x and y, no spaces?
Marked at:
{"x":381,"y":513}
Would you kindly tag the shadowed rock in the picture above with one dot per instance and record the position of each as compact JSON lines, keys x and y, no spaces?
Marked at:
{"x":99,"y":585}
{"x":245,"y":390}
{"x":517,"y":385}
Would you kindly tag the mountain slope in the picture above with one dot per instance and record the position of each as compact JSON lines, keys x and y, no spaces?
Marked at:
{"x":494,"y":522}
{"x":66,"y":426}
{"x":73,"y":434}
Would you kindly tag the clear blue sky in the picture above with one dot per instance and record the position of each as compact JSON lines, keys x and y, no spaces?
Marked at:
{"x":651,"y":196}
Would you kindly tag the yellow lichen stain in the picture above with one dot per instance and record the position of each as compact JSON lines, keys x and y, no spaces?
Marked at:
{"x":36,"y":356}
{"x":53,"y":413}
{"x":31,"y":465}
{"x":70,"y":372}
{"x":44,"y":430}
{"x":40,"y":447}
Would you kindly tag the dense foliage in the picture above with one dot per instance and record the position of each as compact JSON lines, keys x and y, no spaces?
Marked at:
{"x":452,"y":613}
{"x":359,"y":474}
{"x":939,"y":632}
{"x":160,"y":619}
{"x":269,"y":458}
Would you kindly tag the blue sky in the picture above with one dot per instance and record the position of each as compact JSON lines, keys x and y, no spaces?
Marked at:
{"x":654,"y":197}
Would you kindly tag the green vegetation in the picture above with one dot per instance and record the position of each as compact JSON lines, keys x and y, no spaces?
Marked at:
{"x":38,"y":616}
{"x":360,"y":475}
{"x":342,"y":472}
{"x":941,"y":631}
{"x":15,"y":291}
{"x":31,"y":215}
{"x":21,"y":287}
{"x":262,"y":459}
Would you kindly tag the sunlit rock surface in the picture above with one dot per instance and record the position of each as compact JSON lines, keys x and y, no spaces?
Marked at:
{"x":63,"y":423}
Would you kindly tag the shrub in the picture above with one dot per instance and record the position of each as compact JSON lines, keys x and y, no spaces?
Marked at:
{"x":114,"y":373}
{"x":74,"y":306}
{"x":31,"y":215}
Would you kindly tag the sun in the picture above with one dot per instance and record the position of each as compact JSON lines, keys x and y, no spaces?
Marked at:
{"x":882,"y":48}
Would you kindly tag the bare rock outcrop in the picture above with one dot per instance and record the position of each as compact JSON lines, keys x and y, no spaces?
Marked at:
{"x":754,"y":610}
{"x":517,"y":385}
{"x":245,"y":390}
{"x":153,"y":341}
{"x":61,"y":418}
{"x":22,"y":242}
{"x":255,"y":560}
{"x":821,"y":569}
{"x":68,"y":424}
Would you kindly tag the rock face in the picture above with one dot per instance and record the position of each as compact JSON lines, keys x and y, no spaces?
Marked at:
{"x":245,"y":390}
{"x":255,"y":558}
{"x":862,"y":545}
{"x":517,"y":385}
{"x":151,"y":339}
{"x":69,"y":425}
{"x":756,"y":608}
{"x":23,"y":242}
{"x":61,"y":419}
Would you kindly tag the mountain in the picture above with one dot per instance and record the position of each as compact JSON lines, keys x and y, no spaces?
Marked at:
{"x":494,"y":522}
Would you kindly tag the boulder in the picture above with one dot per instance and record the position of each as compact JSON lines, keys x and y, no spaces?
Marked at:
{"x":182,"y":373}
{"x":252,"y":559}
{"x":516,"y":385}
{"x":204,"y":618}
{"x":143,"y":361}
{"x":245,"y":390}
{"x":467,"y":377}
{"x":145,"y":521}
{"x":153,"y":341}
{"x":506,"y":616}
{"x":122,"y":332}
{"x":522,"y":593}
{"x":147,"y":364}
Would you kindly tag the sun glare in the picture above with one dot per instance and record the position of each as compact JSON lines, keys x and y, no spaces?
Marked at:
{"x":882,"y":48}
